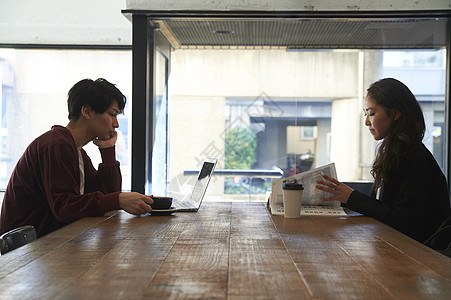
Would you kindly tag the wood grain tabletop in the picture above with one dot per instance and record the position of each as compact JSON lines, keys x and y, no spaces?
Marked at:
{"x":227,"y":250}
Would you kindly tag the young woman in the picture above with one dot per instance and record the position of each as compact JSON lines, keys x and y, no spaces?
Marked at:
{"x":54,"y":182}
{"x":410,"y":191}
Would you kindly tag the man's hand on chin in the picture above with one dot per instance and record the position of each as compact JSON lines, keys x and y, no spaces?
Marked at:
{"x":106,"y":143}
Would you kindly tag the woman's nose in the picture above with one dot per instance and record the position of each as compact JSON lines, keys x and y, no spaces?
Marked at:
{"x":367,"y":120}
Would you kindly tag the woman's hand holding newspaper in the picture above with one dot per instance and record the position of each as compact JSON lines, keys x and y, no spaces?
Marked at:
{"x":340,"y":191}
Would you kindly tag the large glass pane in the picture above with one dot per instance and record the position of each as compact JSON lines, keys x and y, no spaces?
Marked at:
{"x":289,"y":111}
{"x":424,"y":72}
{"x":160,"y":146}
{"x":34,"y":86}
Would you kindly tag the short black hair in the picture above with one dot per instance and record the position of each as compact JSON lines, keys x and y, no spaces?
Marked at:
{"x":99,"y":95}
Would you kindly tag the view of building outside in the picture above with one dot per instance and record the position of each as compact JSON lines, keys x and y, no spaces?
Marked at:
{"x":33,"y":93}
{"x":261,"y":110}
{"x":290,"y":111}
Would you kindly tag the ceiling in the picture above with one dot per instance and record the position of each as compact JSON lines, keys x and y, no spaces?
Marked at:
{"x":304,"y":33}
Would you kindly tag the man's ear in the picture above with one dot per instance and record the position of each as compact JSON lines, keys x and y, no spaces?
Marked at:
{"x":86,"y":111}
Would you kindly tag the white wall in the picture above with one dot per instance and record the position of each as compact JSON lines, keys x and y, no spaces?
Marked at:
{"x":289,"y":5}
{"x":275,"y":72}
{"x":80,"y":22}
{"x":101,"y":22}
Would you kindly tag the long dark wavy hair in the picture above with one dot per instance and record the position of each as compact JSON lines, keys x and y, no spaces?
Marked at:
{"x":404,"y":133}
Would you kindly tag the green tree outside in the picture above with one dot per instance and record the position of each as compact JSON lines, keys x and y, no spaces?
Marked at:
{"x":240,"y":153}
{"x":240,"y":148}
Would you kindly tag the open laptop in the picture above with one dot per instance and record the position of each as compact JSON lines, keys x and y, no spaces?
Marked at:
{"x":193,"y":202}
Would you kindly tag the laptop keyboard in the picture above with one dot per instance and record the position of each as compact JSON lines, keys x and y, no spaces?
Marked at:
{"x":184,"y":205}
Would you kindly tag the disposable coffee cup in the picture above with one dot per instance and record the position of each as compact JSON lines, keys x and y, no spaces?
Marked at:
{"x":292,"y":199}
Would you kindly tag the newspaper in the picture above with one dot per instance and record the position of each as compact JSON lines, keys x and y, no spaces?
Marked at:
{"x":312,"y":203}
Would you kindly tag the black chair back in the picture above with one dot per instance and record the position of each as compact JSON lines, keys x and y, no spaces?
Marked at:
{"x":16,"y":238}
{"x":365,"y":187}
{"x":441,"y":239}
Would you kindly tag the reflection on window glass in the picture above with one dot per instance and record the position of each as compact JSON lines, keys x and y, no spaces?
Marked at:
{"x":34,"y":86}
{"x":278,"y":113}
{"x":159,"y":154}
{"x":414,"y":59}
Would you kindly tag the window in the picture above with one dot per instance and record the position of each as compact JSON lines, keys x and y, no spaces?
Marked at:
{"x":308,"y":132}
{"x":290,"y":111}
{"x":34,"y":86}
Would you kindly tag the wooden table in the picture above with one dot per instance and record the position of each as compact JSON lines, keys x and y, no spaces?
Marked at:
{"x":231,"y":250}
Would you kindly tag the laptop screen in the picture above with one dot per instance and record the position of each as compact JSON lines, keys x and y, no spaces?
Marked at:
{"x":202,"y":180}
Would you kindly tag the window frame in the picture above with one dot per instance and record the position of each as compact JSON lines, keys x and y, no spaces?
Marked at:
{"x":147,"y":17}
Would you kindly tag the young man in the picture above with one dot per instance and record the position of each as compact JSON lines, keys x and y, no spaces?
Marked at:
{"x":54,"y":182}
